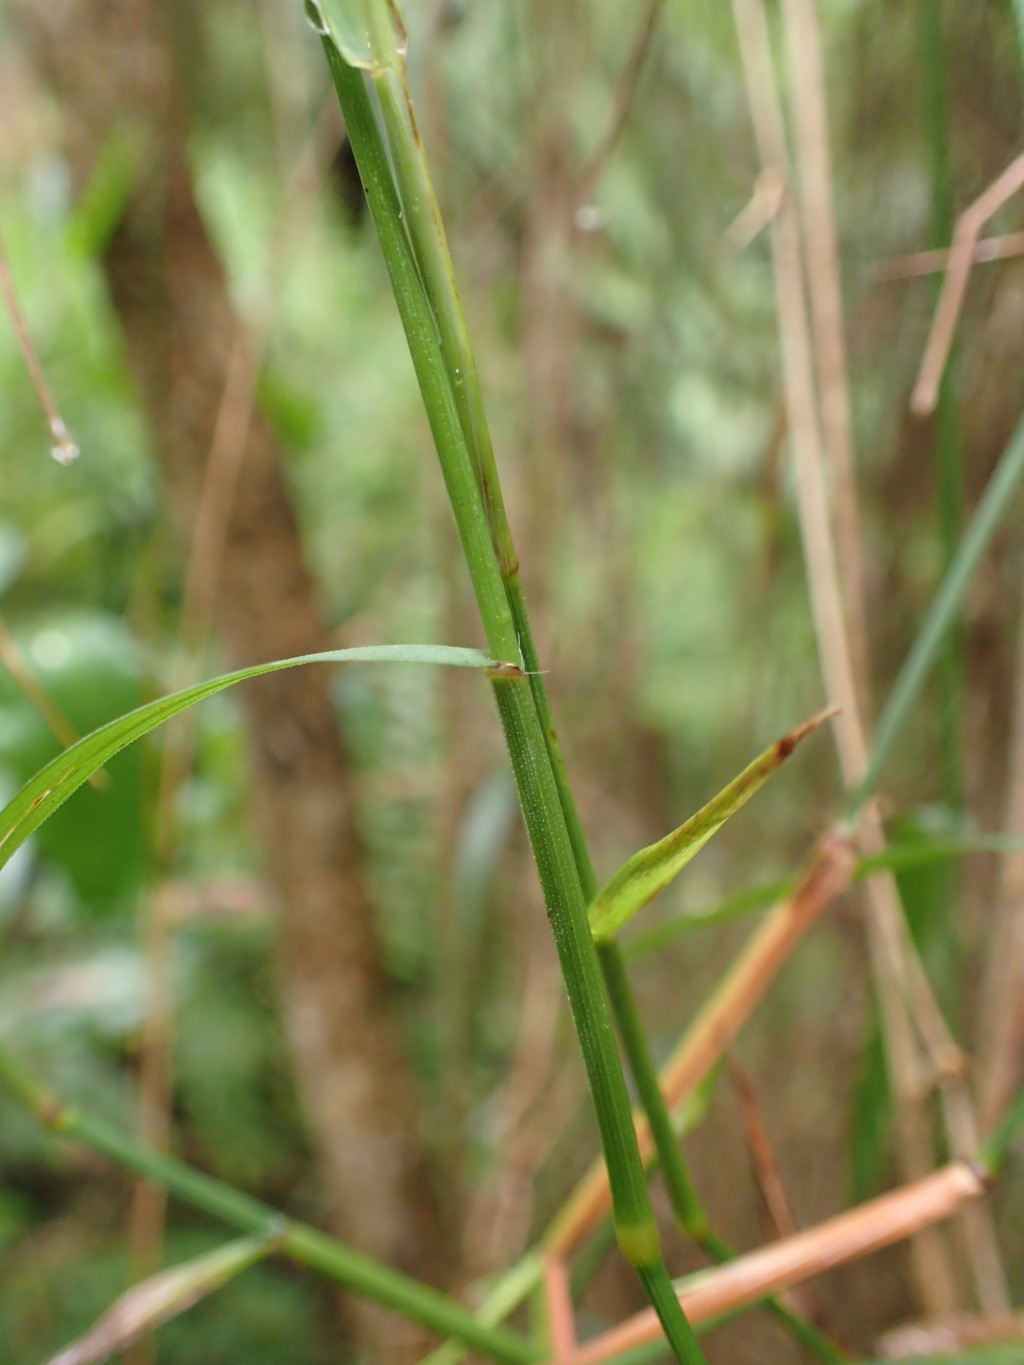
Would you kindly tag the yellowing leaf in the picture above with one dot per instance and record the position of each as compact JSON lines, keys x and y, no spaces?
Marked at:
{"x":642,"y":876}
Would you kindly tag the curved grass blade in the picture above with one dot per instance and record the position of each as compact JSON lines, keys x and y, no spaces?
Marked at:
{"x":642,"y":876}
{"x":52,"y":785}
{"x":164,"y":1296}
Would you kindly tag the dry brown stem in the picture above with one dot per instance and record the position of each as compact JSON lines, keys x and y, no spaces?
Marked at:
{"x":762,"y":1154}
{"x":850,"y":1236}
{"x":561,"y":1321}
{"x":920,"y":263}
{"x":622,"y":102}
{"x":817,"y":214}
{"x":1001,"y":1026}
{"x":64,"y":449}
{"x":758,"y":212}
{"x":961,"y":258}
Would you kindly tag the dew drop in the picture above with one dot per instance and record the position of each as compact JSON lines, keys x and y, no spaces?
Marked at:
{"x":316,"y":19}
{"x":64,"y":450}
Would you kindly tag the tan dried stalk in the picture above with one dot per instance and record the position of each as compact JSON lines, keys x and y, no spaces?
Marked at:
{"x":921,"y":1052}
{"x":757,"y":212}
{"x":717,"y":1024}
{"x":561,"y":1321}
{"x":762,"y":1154}
{"x":817,"y":215}
{"x":1001,"y":1028}
{"x":622,"y":102}
{"x":961,"y":258}
{"x":920,"y":263}
{"x":859,"y":1232}
{"x":64,"y":449}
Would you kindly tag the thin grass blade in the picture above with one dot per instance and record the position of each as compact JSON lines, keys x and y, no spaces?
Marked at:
{"x":52,"y":785}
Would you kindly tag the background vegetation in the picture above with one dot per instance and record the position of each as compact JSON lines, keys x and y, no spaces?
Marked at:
{"x":629,"y":356}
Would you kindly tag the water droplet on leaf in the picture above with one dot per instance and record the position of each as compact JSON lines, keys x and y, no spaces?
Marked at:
{"x":316,"y":19}
{"x":64,"y":450}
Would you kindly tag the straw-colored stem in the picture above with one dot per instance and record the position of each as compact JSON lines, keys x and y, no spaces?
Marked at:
{"x":824,"y":289}
{"x":1001,"y":998}
{"x":64,"y":449}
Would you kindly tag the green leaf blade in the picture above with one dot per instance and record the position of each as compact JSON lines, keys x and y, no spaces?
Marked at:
{"x":649,"y":871}
{"x":61,"y":777}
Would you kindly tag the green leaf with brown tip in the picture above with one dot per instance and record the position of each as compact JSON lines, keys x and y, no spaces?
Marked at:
{"x":642,"y":876}
{"x":161,"y":1297}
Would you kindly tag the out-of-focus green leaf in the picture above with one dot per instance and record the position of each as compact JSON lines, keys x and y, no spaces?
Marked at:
{"x":89,"y":666}
{"x":52,"y":786}
{"x":156,"y":1300}
{"x":100,"y":206}
{"x":12,"y":554}
{"x":870,"y":1120}
{"x":928,"y":890}
{"x":1003,"y":1353}
{"x":641,"y":877}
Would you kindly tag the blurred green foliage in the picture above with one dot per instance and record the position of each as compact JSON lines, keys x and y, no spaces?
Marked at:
{"x":672,"y":599}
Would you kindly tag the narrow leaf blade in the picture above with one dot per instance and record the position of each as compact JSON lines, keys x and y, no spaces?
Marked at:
{"x":52,"y":785}
{"x":162,"y":1297}
{"x":642,"y":876}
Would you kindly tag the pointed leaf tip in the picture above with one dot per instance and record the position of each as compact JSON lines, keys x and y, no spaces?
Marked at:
{"x":642,"y":876}
{"x":164,"y":1296}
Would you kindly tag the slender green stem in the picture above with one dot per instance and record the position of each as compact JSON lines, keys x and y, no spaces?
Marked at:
{"x":528,"y":745}
{"x":426,"y":234}
{"x":531,"y":662}
{"x":421,"y":332}
{"x":941,"y":614}
{"x":682,"y":1193}
{"x":315,"y":1249}
{"x":678,"y":1332}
